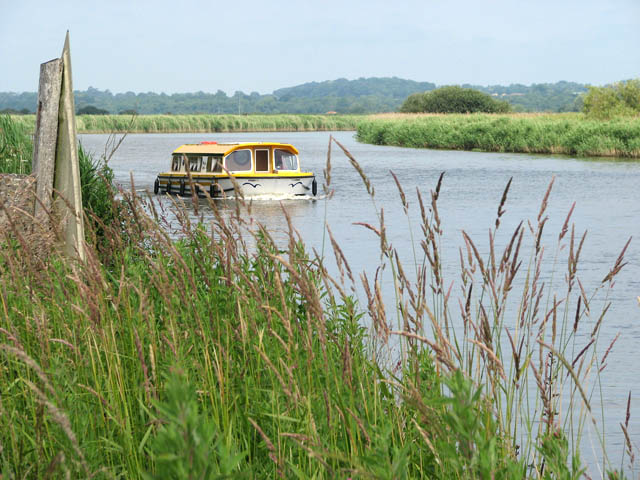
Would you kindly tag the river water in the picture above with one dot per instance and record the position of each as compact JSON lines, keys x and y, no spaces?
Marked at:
{"x":606,"y":193}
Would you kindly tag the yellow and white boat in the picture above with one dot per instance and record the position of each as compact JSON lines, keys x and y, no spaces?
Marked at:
{"x":258,"y":168}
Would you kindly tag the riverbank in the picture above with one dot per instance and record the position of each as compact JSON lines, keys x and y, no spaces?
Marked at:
{"x":568,"y":134}
{"x":205,"y":123}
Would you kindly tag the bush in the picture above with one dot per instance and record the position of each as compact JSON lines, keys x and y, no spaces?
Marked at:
{"x":98,"y":202}
{"x":91,"y":110}
{"x":414,"y":103}
{"x":453,"y":99}
{"x":617,"y":100}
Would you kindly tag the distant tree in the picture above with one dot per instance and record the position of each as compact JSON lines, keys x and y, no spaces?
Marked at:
{"x":539,"y":97}
{"x":12,"y":111}
{"x":128,"y":112}
{"x":629,"y":91}
{"x":91,"y":110}
{"x":619,"y":99}
{"x":454,"y":99}
{"x":414,"y":103}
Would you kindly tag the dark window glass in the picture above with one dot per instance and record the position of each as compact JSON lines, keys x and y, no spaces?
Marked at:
{"x":262,"y":160}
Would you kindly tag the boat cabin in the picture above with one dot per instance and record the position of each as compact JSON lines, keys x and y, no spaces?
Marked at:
{"x":258,"y":167}
{"x":237,"y":158}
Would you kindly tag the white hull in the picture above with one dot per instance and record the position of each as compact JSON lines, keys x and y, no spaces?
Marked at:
{"x":249,"y":186}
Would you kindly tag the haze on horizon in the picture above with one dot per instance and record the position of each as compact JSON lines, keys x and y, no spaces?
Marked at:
{"x":164,"y":46}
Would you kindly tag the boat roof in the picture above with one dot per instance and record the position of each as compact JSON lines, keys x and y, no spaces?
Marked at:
{"x":210,"y":148}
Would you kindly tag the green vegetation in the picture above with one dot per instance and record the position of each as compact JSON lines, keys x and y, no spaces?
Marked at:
{"x":11,"y":111}
{"x":539,"y":97}
{"x":569,"y":134}
{"x":206,"y":123}
{"x":91,"y":110}
{"x":453,"y":99}
{"x":364,"y":95}
{"x":217,"y":123}
{"x":619,"y":100}
{"x":205,"y":358}
{"x":16,"y":146}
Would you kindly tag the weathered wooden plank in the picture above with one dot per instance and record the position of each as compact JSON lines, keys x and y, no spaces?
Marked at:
{"x":68,"y":193}
{"x":46,"y":135}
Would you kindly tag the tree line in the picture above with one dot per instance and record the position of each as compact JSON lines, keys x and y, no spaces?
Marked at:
{"x":363,"y":95}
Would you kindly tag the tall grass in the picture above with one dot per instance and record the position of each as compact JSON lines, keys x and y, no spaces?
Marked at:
{"x":569,"y":134}
{"x":227,"y":355}
{"x":207,"y":123}
{"x":539,"y":362}
{"x":242,"y":346}
{"x":16,"y":147}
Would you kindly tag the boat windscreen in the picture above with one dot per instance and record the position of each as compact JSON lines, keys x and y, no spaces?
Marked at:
{"x":284,"y":160}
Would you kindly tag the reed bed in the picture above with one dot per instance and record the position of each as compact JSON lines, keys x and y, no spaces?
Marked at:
{"x":225,"y":355}
{"x":568,"y":134}
{"x":207,"y":123}
{"x":16,"y":147}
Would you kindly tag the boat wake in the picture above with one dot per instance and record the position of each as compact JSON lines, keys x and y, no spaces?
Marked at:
{"x":273,"y":197}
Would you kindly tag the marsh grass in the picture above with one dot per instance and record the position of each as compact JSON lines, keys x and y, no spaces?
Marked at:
{"x":225,"y":354}
{"x":205,"y":123}
{"x":568,"y":134}
{"x":16,"y":147}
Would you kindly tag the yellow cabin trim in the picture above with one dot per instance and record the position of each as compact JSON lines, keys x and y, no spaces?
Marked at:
{"x":262,"y":165}
{"x":227,"y":148}
{"x":248,"y":174}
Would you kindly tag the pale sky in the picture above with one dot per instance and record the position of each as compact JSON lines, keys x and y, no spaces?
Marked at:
{"x":188,"y":46}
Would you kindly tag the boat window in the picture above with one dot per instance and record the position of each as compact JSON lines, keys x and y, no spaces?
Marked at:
{"x":238,"y":161}
{"x":175,"y":163}
{"x":213,"y":164}
{"x":195,"y":164}
{"x":285,"y":160}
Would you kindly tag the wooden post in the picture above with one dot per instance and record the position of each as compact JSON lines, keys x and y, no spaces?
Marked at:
{"x":46,"y":136}
{"x":68,"y":193}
